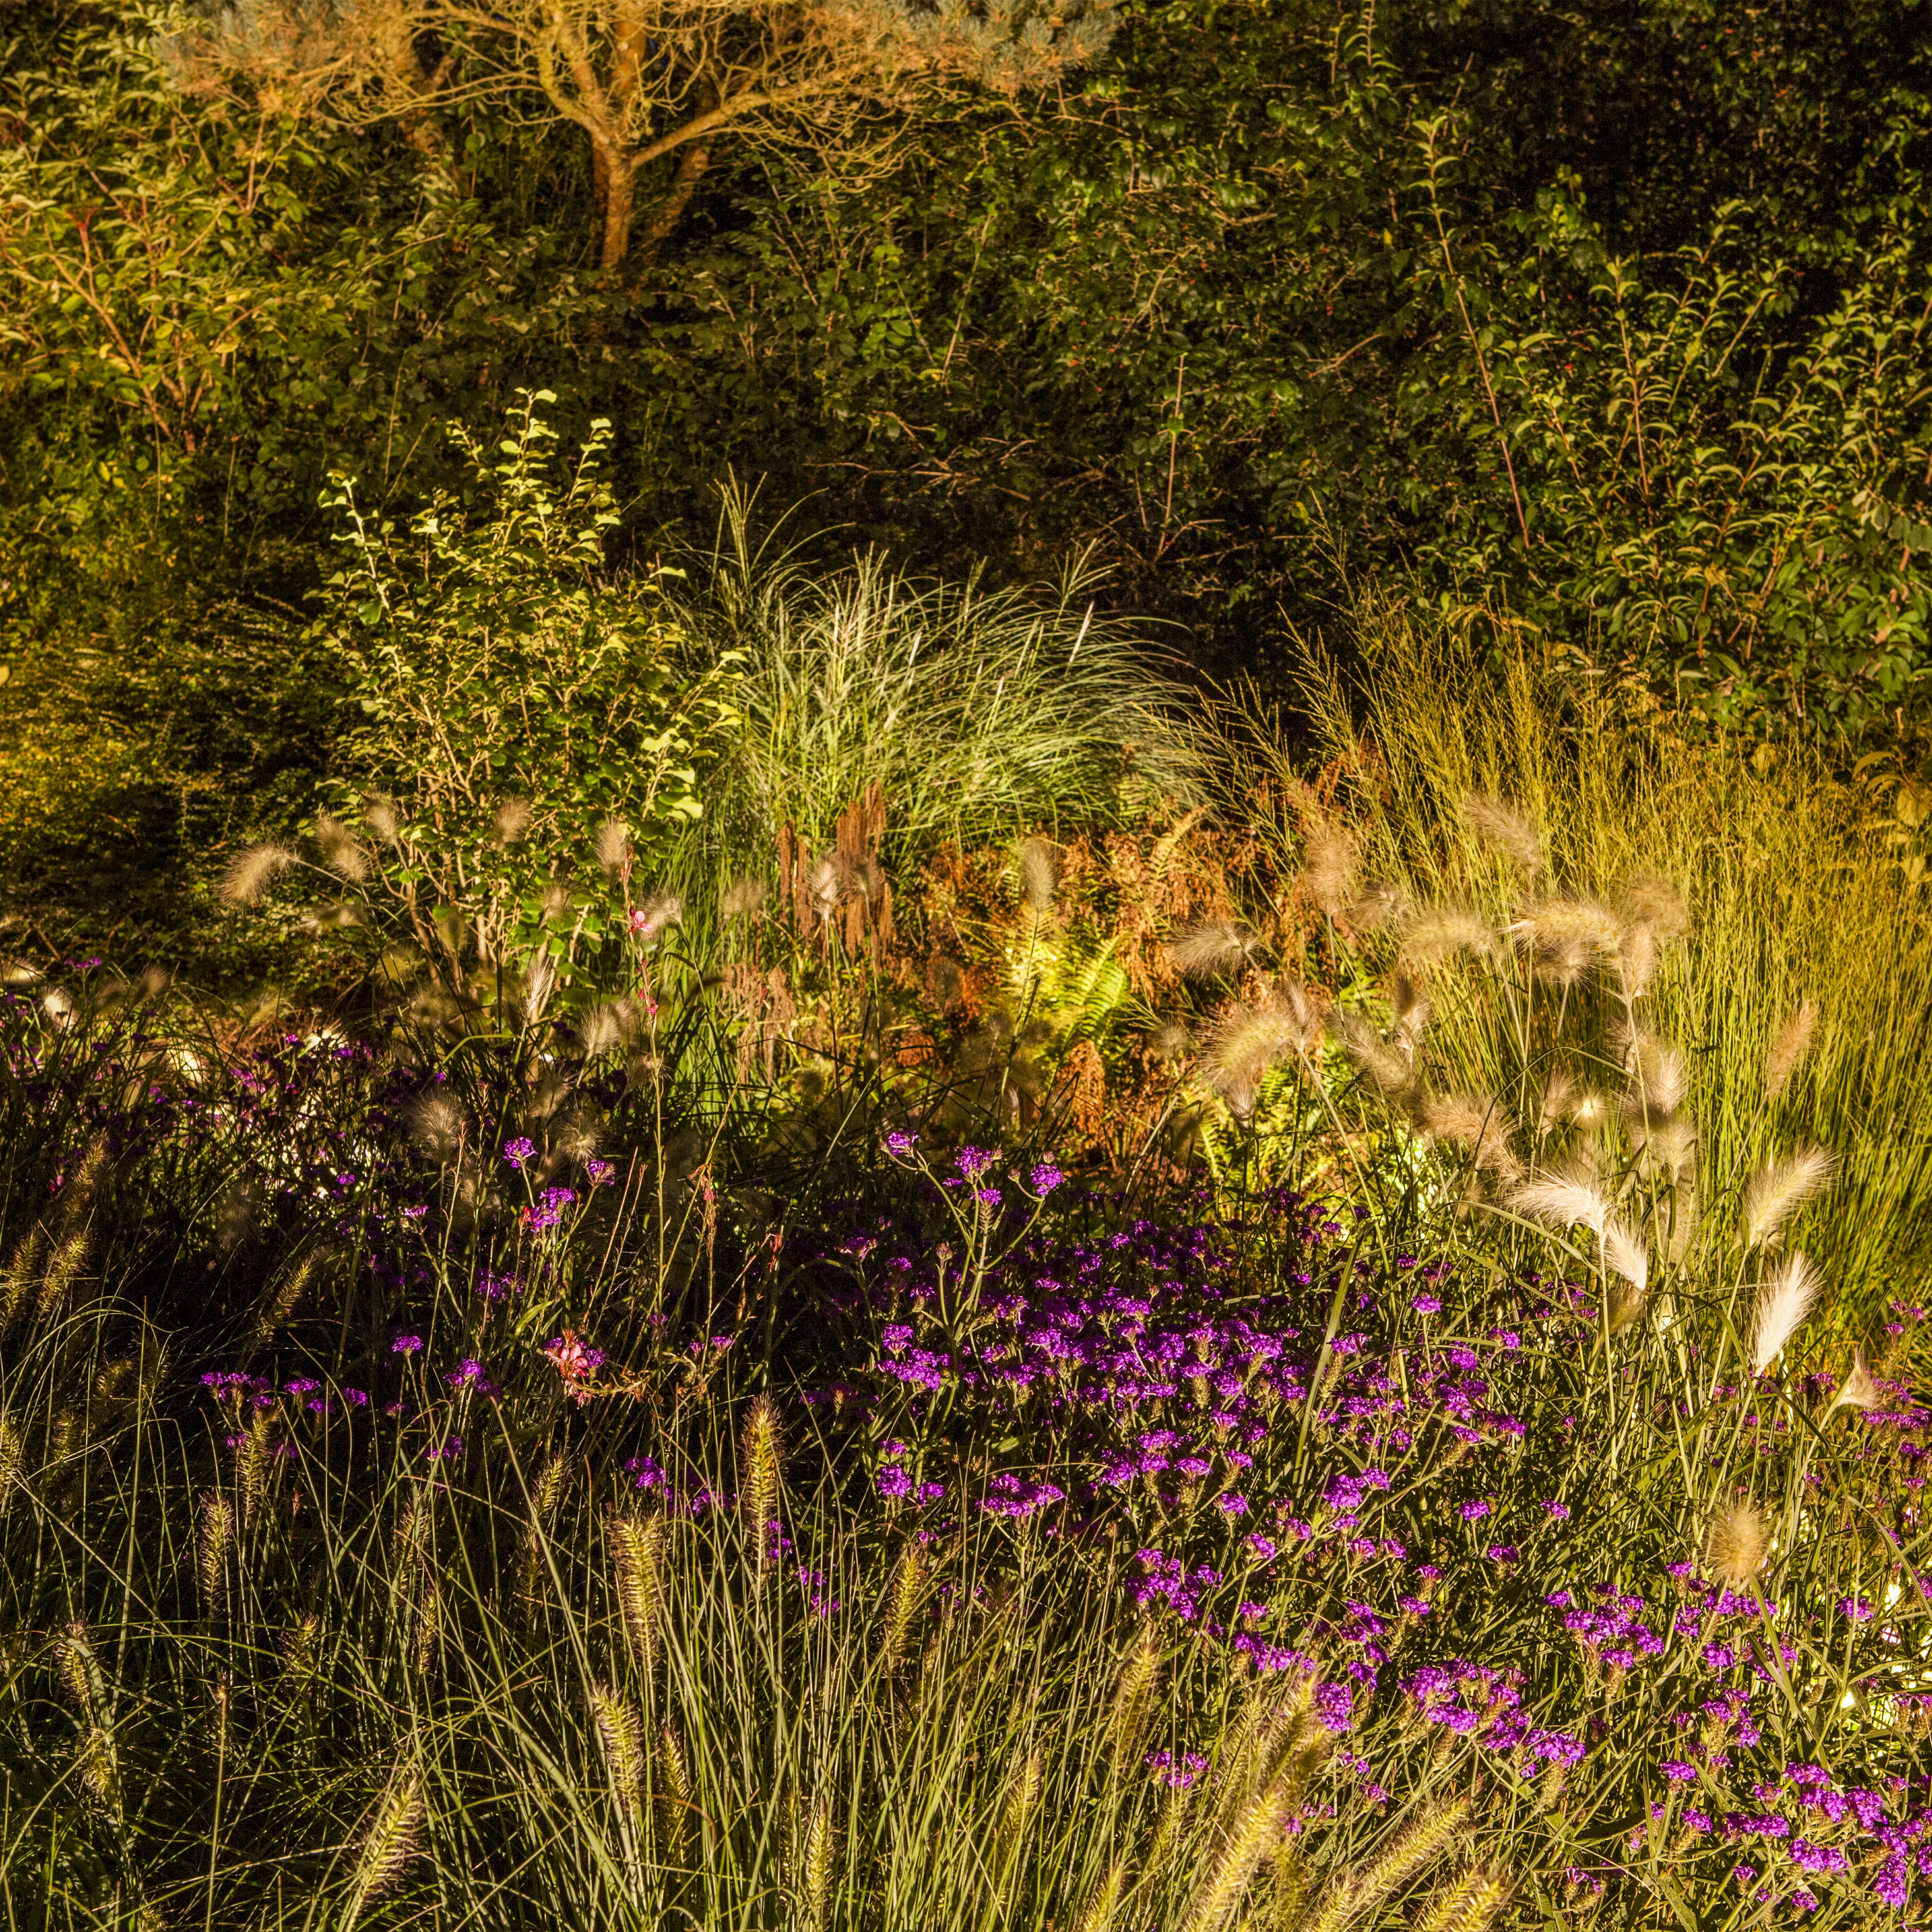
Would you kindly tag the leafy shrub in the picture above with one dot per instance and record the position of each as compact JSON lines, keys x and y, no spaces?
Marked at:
{"x":519,"y":711}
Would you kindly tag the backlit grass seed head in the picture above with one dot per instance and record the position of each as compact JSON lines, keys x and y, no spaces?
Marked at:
{"x":815,"y":1867}
{"x":1783,"y":1301}
{"x":1410,"y":1015}
{"x":63,"y":1269}
{"x":249,"y":874}
{"x":388,"y":1846}
{"x":1208,"y":952}
{"x":1381,"y":906}
{"x":1506,"y":829}
{"x":637,"y":1546}
{"x":1437,"y":934}
{"x":1330,"y":860}
{"x":1790,"y":1050}
{"x":213,"y":1541}
{"x":1134,"y":1696}
{"x":762,"y":1473}
{"x":11,"y":1456}
{"x":342,"y":851}
{"x":1658,"y":1080}
{"x":78,"y":1666}
{"x":1625,"y":1255}
{"x":1558,"y":1201}
{"x":21,"y":1276}
{"x":1413,"y":1850}
{"x":436,"y":1123}
{"x":1256,"y":1832}
{"x":1735,"y":1544}
{"x":742,"y":898}
{"x":1477,"y":1123}
{"x":251,"y":1462}
{"x":511,"y":821}
{"x":902,"y":1602}
{"x":613,"y":845}
{"x":1038,"y":870}
{"x":675,"y":1803}
{"x":1562,"y":939}
{"x":1859,"y":1389}
{"x":381,"y":820}
{"x":1386,"y":1068}
{"x":620,"y":1739}
{"x":1667,"y":1147}
{"x":1639,"y":953}
{"x":1779,"y":1189}
{"x":1097,"y":1914}
{"x":1471,"y":1904}
{"x":1242,"y":1047}
{"x":1650,"y":899}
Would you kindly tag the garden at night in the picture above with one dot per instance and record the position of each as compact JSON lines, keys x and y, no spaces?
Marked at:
{"x":965,"y":968}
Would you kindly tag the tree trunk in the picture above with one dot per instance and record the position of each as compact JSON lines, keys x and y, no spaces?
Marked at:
{"x":670,"y":211}
{"x":616,"y":182}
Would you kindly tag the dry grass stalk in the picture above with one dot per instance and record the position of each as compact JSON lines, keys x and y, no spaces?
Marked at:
{"x":1779,"y":1188}
{"x":1417,"y":1846}
{"x":342,"y":851}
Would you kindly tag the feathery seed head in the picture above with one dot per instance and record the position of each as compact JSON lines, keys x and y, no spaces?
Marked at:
{"x":1734,"y":1544}
{"x":1097,"y":1914}
{"x":1790,"y":1050}
{"x":1436,"y":934}
{"x":1650,"y":899}
{"x":1414,"y":1848}
{"x":1381,"y":906}
{"x":1779,"y":1188}
{"x":1553,"y":1102}
{"x":389,"y":1844}
{"x":1478,"y":1122}
{"x":210,"y":1565}
{"x":902,"y":1605}
{"x":1639,"y":954}
{"x":762,"y":1475}
{"x":1039,"y":871}
{"x":1411,"y":1012}
{"x":1259,"y":1825}
{"x":1562,"y":938}
{"x":1560,"y":1202}
{"x":614,"y":845}
{"x":1783,"y":1301}
{"x":1331,"y":858}
{"x":815,"y":1867}
{"x":1133,"y":1695}
{"x":1859,"y":1389}
{"x":1625,"y":1255}
{"x":1206,"y":952}
{"x":620,"y":1737}
{"x":1244,"y":1043}
{"x":250,"y":871}
{"x":742,"y":898}
{"x":436,"y":1123}
{"x":512,"y":821}
{"x":342,"y":851}
{"x":637,"y":1546}
{"x":1385,"y":1067}
{"x":1506,"y":829}
{"x":380,"y":819}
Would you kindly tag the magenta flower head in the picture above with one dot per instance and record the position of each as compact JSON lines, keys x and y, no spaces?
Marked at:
{"x":519,"y":1150}
{"x":972,"y":1162}
{"x":468,"y":1373}
{"x":1045,"y":1178}
{"x":406,"y":1345}
{"x":899,"y":1145}
{"x":602,"y":1173}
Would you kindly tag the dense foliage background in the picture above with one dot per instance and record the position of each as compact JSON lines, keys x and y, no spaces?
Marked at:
{"x":1609,"y":317}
